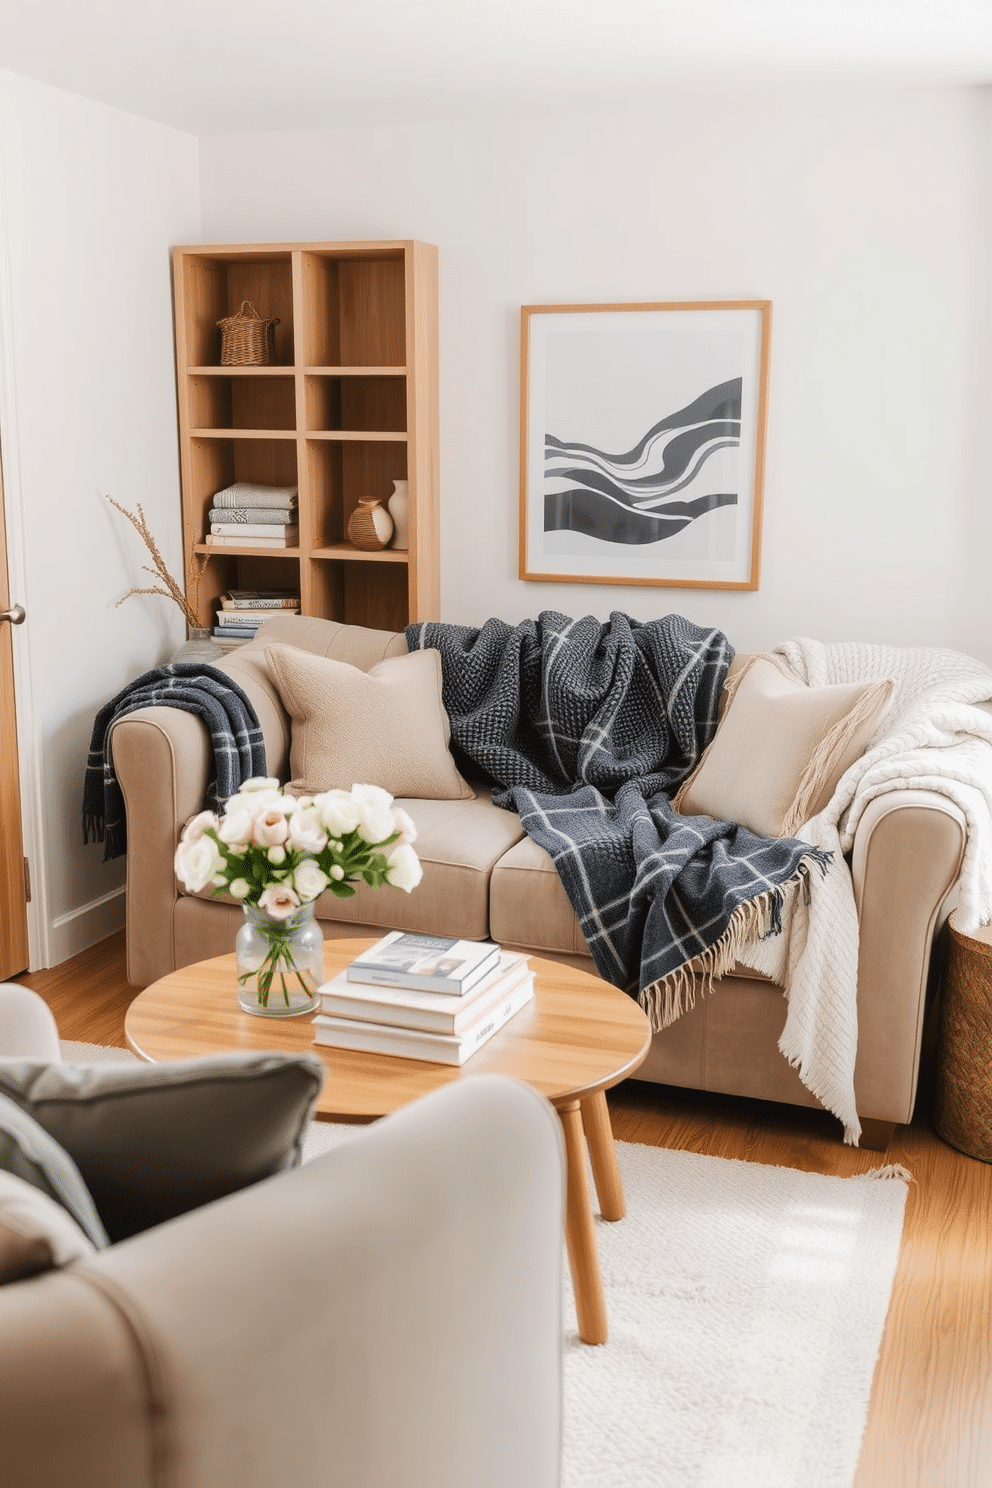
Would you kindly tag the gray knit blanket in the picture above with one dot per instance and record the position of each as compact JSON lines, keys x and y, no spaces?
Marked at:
{"x":235,"y":737}
{"x":587,"y":729}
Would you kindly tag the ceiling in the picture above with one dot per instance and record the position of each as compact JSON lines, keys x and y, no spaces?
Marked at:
{"x":236,"y":66}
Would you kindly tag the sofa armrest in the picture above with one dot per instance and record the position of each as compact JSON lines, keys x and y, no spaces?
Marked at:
{"x":905,"y":863}
{"x":162,"y":759}
{"x":388,"y":1313}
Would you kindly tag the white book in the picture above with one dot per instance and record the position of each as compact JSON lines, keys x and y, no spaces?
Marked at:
{"x":255,"y":529}
{"x":216,"y":540}
{"x":412,"y":1043}
{"x":433,"y":1012}
{"x":433,"y":963}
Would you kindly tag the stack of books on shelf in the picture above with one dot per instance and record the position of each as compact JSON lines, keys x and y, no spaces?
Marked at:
{"x":250,"y":516}
{"x":423,"y":997}
{"x":242,"y":611}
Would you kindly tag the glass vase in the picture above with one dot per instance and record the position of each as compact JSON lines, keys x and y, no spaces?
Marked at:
{"x":201,"y":646}
{"x":280,"y":963}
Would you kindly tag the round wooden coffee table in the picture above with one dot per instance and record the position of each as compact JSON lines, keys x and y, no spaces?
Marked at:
{"x":578,"y":1037}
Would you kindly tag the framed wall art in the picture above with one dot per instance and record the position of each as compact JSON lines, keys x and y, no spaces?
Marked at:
{"x":642,"y":442}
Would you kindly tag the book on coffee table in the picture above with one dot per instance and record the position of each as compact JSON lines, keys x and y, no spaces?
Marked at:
{"x":432,"y":963}
{"x":414,"y":1043}
{"x":431,"y":1012}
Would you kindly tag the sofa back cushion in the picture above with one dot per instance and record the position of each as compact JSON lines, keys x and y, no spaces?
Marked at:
{"x":36,"y":1233}
{"x":354,"y":644}
{"x":781,"y":748}
{"x":384,"y":727}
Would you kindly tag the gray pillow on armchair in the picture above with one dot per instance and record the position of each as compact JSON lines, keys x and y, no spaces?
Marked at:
{"x":152,"y":1141}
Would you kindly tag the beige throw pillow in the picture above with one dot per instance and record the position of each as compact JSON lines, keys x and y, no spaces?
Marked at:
{"x":384,"y":727}
{"x":780,"y":748}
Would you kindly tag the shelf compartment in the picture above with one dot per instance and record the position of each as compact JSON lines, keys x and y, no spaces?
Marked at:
{"x":340,"y":471}
{"x":218,"y":460}
{"x":355,"y":403}
{"x":248,"y":403}
{"x":223,"y":571}
{"x":355,"y":311}
{"x":375,"y":595}
{"x":214,"y":286}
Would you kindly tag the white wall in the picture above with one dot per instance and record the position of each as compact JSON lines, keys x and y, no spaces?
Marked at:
{"x":853,"y":209}
{"x":93,"y":199}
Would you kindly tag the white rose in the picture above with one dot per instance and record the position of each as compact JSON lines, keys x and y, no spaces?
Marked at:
{"x":257,"y":803}
{"x":337,"y":873}
{"x":368,"y":796}
{"x":234,"y":827}
{"x":375,"y":823}
{"x":404,"y":871}
{"x":337,"y":812}
{"x":270,"y":828}
{"x":310,"y":881}
{"x":193,"y":830}
{"x":276,"y":855}
{"x":403,"y":824}
{"x":306,"y":834}
{"x":279,"y":902}
{"x":258,"y":783}
{"x":197,"y":863}
{"x":239,"y":889}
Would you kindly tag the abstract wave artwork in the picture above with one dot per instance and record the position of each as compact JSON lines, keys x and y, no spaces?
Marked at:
{"x":652,"y":491}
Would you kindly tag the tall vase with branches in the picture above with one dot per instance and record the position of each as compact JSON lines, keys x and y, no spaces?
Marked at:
{"x":166,"y":585}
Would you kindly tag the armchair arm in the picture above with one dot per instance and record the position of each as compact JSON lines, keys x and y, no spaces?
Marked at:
{"x":905,"y":862}
{"x":386,"y":1315}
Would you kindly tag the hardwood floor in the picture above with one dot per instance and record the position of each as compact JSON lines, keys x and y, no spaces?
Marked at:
{"x":930,"y":1423}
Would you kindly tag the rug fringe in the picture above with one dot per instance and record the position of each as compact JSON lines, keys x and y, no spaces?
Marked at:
{"x":891,"y":1170}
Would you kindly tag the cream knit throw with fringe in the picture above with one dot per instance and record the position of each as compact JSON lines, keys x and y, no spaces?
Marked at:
{"x":933,"y":738}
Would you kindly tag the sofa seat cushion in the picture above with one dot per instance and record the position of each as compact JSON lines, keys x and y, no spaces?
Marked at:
{"x":528,"y":905}
{"x":459,"y":844}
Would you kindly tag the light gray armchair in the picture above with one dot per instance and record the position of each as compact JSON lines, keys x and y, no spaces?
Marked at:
{"x":386,"y":1316}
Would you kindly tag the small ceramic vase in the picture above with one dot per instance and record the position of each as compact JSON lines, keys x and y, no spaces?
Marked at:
{"x":370,"y":525}
{"x":399,"y":510}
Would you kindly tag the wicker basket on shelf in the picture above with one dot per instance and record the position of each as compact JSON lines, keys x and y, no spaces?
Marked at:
{"x":247,"y":339}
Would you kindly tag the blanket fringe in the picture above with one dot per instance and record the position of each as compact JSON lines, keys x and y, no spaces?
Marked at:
{"x":670,"y":996}
{"x":824,"y":757}
{"x":891,"y":1170}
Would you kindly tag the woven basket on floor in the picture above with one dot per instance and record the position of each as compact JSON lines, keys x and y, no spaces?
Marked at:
{"x":247,"y":339}
{"x":963,"y":1109}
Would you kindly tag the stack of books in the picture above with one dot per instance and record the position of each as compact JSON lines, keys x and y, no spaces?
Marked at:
{"x":242,"y":611}
{"x":252,"y":516}
{"x":423,"y":997}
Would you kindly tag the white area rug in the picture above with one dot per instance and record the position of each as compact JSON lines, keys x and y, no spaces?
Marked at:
{"x":746,"y":1306}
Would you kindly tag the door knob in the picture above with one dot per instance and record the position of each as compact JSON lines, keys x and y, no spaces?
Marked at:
{"x":16,"y":614}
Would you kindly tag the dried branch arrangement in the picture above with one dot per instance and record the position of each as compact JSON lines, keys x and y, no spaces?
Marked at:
{"x":167,"y":585}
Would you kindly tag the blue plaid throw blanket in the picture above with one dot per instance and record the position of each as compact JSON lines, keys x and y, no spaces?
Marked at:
{"x":587,"y":729}
{"x":235,"y":735}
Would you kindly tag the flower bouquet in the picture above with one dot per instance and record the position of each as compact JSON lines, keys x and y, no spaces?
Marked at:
{"x":276,"y":854}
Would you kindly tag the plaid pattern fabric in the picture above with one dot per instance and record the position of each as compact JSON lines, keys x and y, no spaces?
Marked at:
{"x":235,"y":736}
{"x":588,"y":729}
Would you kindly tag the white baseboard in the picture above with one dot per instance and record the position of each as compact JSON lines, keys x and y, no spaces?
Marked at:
{"x":83,"y":927}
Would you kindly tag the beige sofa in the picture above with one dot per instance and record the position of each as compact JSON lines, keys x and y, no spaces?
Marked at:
{"x":483,"y":877}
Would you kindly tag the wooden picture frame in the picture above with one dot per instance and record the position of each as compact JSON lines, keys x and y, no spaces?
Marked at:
{"x":642,"y":442}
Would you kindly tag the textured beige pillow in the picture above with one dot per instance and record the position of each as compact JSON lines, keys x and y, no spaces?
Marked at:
{"x":384,"y":727}
{"x":780,"y":748}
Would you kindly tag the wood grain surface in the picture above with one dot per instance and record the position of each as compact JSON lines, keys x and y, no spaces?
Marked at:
{"x":578,"y":1036}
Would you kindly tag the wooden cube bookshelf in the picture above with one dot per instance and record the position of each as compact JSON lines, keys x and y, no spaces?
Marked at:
{"x":350,"y":405}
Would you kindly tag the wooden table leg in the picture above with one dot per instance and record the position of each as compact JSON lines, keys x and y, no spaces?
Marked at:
{"x":590,"y":1306}
{"x":603,"y":1156}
